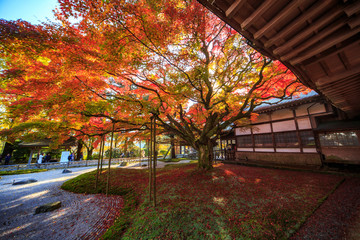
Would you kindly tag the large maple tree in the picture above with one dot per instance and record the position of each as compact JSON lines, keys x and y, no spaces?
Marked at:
{"x":128,"y":61}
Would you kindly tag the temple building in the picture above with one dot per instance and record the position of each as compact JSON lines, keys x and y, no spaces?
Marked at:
{"x":303,"y":131}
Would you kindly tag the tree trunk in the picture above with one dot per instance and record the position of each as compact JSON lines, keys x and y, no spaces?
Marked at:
{"x":89,"y":153}
{"x":172,"y":140}
{"x":206,"y":156}
{"x":79,"y":149}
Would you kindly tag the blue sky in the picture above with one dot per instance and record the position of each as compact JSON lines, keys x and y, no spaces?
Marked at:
{"x":34,"y":11}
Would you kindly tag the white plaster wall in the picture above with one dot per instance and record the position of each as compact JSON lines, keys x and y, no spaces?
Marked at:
{"x":304,"y":123}
{"x":302,"y":110}
{"x":242,"y":131}
{"x":264,"y":149}
{"x":317,"y":108}
{"x":287,"y":149}
{"x":282,"y":114}
{"x":284,"y":126}
{"x":262,"y":118}
{"x":244,"y":149}
{"x":262,"y":128}
{"x":309,"y":150}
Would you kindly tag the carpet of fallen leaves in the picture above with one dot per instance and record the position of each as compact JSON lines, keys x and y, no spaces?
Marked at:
{"x":335,"y":218}
{"x":228,"y":202}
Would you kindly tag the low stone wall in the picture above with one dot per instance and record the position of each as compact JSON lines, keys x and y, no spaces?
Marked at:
{"x":305,"y":159}
{"x":350,"y":155}
{"x":52,"y":165}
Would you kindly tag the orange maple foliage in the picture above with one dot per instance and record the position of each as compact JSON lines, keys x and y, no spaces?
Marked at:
{"x":125,"y":61}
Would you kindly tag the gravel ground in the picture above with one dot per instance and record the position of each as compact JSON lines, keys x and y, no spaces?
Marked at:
{"x":80,"y":216}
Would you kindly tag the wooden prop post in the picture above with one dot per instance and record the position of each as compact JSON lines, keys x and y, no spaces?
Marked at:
{"x":108,"y":173}
{"x":98,"y":165}
{"x":150,"y":160}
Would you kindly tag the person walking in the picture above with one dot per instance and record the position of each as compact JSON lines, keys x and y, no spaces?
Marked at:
{"x":70,"y":157}
{"x":47,"y":158}
{"x":40,"y":159}
{"x":7,"y":159}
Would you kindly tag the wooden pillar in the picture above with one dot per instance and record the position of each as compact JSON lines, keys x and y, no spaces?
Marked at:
{"x":98,"y":164}
{"x":109,"y":166}
{"x":150,"y":159}
{"x":154,"y":163}
{"x":30,"y":157}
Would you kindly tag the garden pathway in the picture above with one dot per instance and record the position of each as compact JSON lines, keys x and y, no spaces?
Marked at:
{"x":80,"y":216}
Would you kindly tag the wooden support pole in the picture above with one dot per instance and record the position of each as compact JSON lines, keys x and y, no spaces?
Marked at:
{"x":98,"y":165}
{"x":109,"y":165}
{"x":154,"y":163}
{"x":102,"y":153}
{"x":150,"y":160}
{"x":140,"y":153}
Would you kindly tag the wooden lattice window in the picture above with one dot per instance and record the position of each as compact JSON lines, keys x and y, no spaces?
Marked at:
{"x":307,"y":139}
{"x":263,"y":140}
{"x":244,"y":141}
{"x":286,"y":139}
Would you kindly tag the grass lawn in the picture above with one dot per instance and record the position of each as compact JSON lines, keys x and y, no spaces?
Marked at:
{"x":173,"y":159}
{"x":228,"y":202}
{"x":24,"y":171}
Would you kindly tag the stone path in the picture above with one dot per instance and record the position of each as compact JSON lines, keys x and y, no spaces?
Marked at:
{"x":80,"y":217}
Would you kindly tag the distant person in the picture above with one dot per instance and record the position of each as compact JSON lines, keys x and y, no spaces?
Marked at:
{"x":70,"y":157}
{"x":47,"y":158}
{"x":81,"y":157}
{"x":7,"y":159}
{"x":40,"y":159}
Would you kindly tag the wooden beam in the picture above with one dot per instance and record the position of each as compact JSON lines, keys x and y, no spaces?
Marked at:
{"x":234,"y":8}
{"x":289,"y":9}
{"x":335,"y":89}
{"x":352,"y":9}
{"x":344,"y":60}
{"x":354,"y":22}
{"x":313,"y":11}
{"x":320,"y":83}
{"x":257,"y":14}
{"x":322,"y":46}
{"x":340,"y":85}
{"x":343,"y":103}
{"x":313,"y":40}
{"x":337,"y":51}
{"x":346,"y":89}
{"x":325,"y":20}
{"x":325,"y":68}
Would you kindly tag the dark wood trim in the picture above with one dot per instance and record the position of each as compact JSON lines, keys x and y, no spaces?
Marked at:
{"x":297,"y":132}
{"x":272,"y":131}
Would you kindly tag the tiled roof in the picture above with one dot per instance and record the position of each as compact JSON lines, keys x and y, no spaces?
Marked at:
{"x":298,"y":100}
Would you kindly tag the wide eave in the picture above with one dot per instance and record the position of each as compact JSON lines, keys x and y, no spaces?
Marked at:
{"x":318,"y":40}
